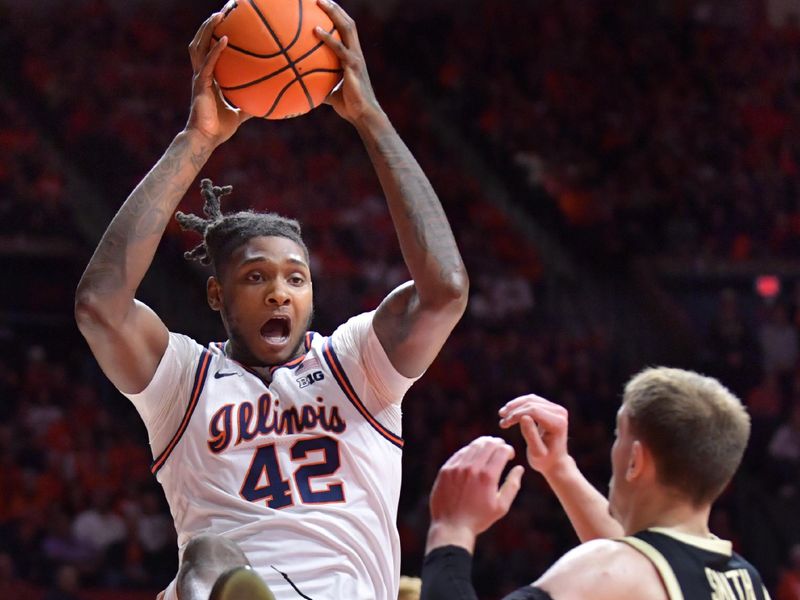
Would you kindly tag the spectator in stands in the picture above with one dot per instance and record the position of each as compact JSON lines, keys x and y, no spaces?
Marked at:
{"x":12,"y":586}
{"x":66,"y":585}
{"x":732,"y":344}
{"x":765,"y":405}
{"x":156,"y":535}
{"x":779,"y":341}
{"x":60,"y":546}
{"x":99,"y":526}
{"x":784,"y":449}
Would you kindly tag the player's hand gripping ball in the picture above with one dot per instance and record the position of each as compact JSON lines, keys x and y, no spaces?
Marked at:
{"x":274,"y":66}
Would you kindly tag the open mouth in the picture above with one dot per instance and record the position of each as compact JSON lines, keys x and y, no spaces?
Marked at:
{"x":276,"y":330}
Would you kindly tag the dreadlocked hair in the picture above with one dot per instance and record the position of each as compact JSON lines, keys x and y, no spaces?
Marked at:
{"x":224,"y":233}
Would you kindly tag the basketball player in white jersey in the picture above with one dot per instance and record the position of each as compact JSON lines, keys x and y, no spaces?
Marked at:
{"x":680,"y":438}
{"x":278,"y":448}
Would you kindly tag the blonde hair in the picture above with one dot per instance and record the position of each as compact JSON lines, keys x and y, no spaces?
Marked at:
{"x":696,"y":429}
{"x":410,"y":588}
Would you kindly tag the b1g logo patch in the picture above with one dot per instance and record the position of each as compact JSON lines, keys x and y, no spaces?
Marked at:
{"x":307,"y":380}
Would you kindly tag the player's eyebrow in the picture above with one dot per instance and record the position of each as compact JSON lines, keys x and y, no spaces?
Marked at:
{"x":297,"y":261}
{"x":257,"y":259}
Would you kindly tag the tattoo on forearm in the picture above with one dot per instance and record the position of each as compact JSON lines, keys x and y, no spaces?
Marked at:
{"x":106,"y":271}
{"x":422,"y":208}
{"x":199,"y":158}
{"x":143,"y":216}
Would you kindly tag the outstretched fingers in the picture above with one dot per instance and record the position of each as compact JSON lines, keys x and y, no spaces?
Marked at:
{"x":510,"y":488}
{"x":332,"y":42}
{"x":498,"y":457}
{"x":551,"y":415}
{"x":467,"y":497}
{"x":527,"y":399}
{"x":210,"y":62}
{"x":547,"y":421}
{"x":533,"y":439}
{"x":198,"y":47}
{"x":343,"y":22}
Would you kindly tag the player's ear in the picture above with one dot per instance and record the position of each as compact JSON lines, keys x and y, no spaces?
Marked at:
{"x":636,"y":461}
{"x":214,"y":293}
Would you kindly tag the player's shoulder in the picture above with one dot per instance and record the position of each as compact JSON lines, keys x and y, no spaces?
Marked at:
{"x":185,"y":353}
{"x":350,"y":336}
{"x":185,"y":345}
{"x":603,"y":569}
{"x":184,"y":340}
{"x":360,"y":321}
{"x":740,"y":562}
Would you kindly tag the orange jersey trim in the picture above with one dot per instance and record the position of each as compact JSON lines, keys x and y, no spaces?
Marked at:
{"x":295,"y":361}
{"x":341,"y":378}
{"x":197,"y":388}
{"x":307,"y":340}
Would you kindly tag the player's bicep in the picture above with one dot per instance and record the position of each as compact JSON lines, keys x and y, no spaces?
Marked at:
{"x":603,"y":570}
{"x":411,"y":333}
{"x":130,"y":352}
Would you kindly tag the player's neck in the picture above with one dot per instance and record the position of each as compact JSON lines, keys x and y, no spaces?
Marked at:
{"x":669,"y":512}
{"x":231,"y":350}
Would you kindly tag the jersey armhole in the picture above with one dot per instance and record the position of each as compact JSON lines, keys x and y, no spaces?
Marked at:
{"x":660,"y":563}
{"x":197,"y":388}
{"x":339,"y":374}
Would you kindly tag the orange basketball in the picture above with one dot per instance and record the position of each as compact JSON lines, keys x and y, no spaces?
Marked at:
{"x":274,"y":66}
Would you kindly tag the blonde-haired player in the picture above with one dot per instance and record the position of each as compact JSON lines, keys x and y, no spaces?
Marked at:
{"x":680,"y":438}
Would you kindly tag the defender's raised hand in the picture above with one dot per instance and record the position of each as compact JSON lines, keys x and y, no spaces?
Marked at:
{"x":209,"y":114}
{"x":544,"y":427}
{"x":465,"y":500}
{"x":355,"y":98}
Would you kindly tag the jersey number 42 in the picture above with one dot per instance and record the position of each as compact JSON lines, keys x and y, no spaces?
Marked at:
{"x":265,"y":480}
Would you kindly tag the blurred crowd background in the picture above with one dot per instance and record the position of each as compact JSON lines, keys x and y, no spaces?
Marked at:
{"x":622,"y":178}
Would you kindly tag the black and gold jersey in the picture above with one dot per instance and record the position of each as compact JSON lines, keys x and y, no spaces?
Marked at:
{"x":698,"y":568}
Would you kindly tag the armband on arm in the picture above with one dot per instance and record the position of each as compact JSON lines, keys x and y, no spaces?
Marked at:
{"x":529,"y":593}
{"x":447,"y":575}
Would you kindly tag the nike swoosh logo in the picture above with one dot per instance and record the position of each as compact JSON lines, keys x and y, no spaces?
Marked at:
{"x":220,"y":374}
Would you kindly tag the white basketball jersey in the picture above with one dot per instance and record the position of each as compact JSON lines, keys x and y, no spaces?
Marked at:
{"x":298,"y":471}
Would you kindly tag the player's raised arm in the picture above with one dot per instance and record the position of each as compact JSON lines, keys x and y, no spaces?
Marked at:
{"x":127,"y":338}
{"x":544,"y":427}
{"x":414,"y":321}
